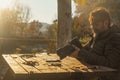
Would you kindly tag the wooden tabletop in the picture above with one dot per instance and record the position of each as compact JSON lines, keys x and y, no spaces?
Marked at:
{"x":49,"y":67}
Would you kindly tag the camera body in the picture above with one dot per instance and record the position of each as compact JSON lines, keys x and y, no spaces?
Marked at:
{"x":66,"y":50}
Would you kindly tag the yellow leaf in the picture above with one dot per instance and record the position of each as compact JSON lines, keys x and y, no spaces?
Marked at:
{"x":83,"y":2}
{"x":80,"y":1}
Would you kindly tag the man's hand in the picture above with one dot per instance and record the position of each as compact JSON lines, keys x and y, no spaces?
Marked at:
{"x":75,"y":53}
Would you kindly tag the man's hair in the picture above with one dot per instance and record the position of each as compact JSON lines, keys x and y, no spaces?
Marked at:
{"x":99,"y":14}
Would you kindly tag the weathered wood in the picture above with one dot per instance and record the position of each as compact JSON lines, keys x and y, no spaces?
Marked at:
{"x":64,"y":22}
{"x":46,"y":67}
{"x":16,"y":68}
{"x":68,"y":68}
{"x":74,"y":65}
{"x":22,"y":62}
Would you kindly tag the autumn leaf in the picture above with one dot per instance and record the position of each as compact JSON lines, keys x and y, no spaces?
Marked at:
{"x":80,"y":1}
{"x":83,"y":2}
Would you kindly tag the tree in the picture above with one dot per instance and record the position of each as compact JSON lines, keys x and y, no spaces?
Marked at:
{"x":12,"y":19}
{"x":80,"y":29}
{"x":52,"y":30}
{"x":111,"y":5}
{"x":7,"y":22}
{"x":23,"y":15}
{"x":33,"y":29}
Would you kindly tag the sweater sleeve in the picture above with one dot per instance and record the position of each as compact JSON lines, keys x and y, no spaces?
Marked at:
{"x":92,"y":58}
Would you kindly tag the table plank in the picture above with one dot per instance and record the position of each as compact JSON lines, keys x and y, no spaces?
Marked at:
{"x":21,"y":61}
{"x":47,"y":67}
{"x":74,"y":64}
{"x":17,"y":69}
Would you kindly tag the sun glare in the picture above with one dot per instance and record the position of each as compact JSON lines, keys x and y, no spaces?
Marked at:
{"x":5,"y":3}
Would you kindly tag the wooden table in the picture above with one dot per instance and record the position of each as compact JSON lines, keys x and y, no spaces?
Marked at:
{"x":41,"y":67}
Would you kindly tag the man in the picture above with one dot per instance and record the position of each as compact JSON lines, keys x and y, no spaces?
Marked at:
{"x":104,"y":48}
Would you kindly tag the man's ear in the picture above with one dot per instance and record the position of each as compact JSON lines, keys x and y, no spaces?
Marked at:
{"x":106,"y":23}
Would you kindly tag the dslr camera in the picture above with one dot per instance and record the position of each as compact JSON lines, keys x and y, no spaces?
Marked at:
{"x":66,"y":50}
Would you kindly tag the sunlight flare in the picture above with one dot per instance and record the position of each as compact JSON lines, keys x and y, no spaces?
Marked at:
{"x":5,"y":3}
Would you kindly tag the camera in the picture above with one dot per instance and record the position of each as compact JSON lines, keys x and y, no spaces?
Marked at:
{"x":68,"y":49}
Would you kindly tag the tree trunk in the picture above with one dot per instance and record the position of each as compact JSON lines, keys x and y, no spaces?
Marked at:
{"x":64,"y":22}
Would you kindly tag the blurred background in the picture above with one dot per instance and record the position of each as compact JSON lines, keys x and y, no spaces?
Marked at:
{"x":31,"y":25}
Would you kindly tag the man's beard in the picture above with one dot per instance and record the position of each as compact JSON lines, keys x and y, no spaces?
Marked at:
{"x":96,"y":32}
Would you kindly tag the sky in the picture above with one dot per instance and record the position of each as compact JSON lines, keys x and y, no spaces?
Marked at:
{"x":42,"y":10}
